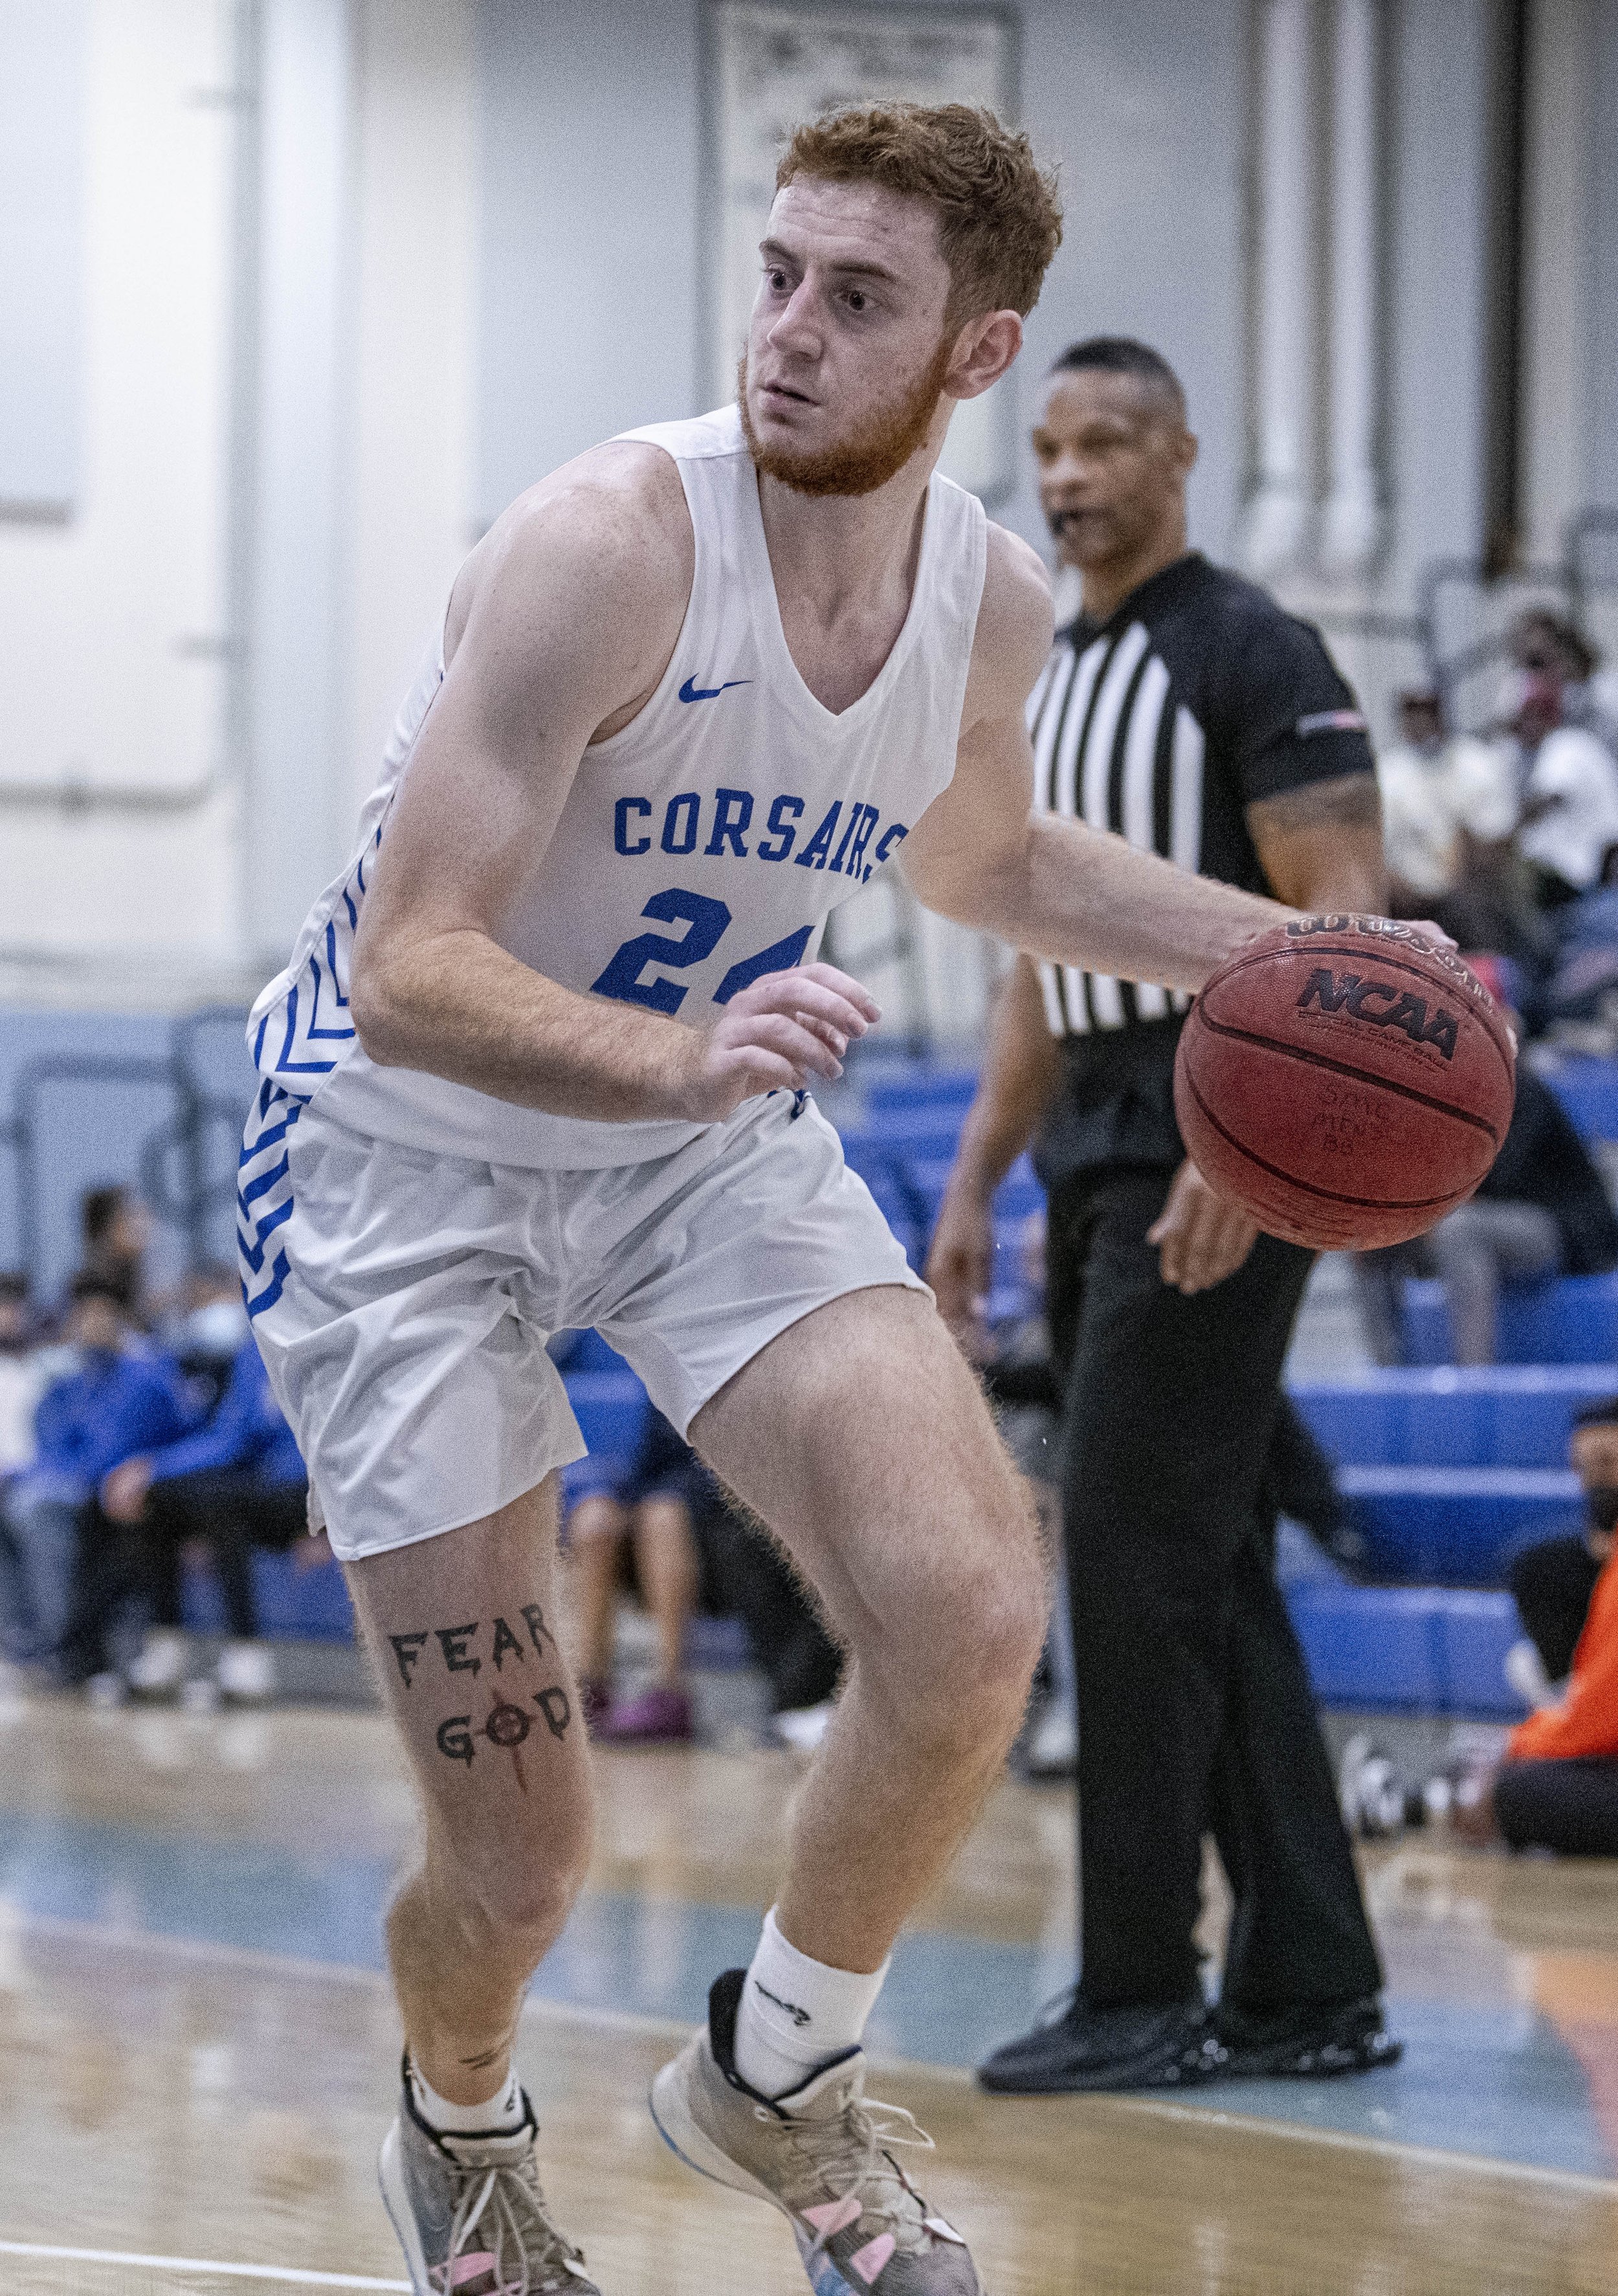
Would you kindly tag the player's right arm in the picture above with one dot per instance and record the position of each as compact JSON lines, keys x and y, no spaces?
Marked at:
{"x":1022,"y":1069}
{"x":561,"y":628}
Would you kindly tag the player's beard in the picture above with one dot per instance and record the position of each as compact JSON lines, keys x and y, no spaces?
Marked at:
{"x":869,"y":456}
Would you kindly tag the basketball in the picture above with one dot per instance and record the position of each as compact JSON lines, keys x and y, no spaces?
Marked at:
{"x":1345,"y":1080}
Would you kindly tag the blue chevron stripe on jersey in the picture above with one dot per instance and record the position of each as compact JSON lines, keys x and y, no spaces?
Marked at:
{"x":264,"y":1192}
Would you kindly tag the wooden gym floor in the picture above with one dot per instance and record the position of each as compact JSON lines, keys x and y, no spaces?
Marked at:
{"x":199,"y":2050}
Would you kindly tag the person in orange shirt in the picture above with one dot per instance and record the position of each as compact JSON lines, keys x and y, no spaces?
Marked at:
{"x":1557,"y":1787}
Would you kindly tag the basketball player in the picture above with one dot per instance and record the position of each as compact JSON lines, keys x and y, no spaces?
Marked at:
{"x":542,"y":1059}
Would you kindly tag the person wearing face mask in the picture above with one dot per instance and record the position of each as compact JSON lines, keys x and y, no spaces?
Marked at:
{"x":1554,"y":1580}
{"x":1556,"y":1787}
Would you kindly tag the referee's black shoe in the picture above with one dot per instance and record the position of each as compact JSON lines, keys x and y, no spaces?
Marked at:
{"x":1298,"y":2044}
{"x":1083,"y":2051}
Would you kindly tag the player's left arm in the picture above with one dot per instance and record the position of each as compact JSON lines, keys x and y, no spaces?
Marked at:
{"x":1049,"y":885}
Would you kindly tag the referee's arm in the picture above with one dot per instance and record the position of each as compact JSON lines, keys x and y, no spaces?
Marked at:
{"x":1021,"y":1070}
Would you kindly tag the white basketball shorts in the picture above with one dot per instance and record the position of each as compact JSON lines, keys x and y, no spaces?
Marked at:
{"x":402,"y":1300}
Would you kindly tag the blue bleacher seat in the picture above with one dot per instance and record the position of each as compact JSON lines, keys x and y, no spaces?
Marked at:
{"x":1410,"y":1650}
{"x":1573,"y":1319}
{"x":610,"y":1408}
{"x":1495,"y":1415}
{"x":1368,"y":1646}
{"x":1476,"y":1630}
{"x":293,"y":1604}
{"x":1587,"y":1089}
{"x":587,"y":1350}
{"x":908,"y":1089}
{"x":1456,"y":1526}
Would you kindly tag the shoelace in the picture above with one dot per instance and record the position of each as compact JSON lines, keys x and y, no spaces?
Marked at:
{"x":866,"y":2139}
{"x":517,"y":2211}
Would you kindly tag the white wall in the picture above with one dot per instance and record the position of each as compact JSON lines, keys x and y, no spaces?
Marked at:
{"x":106,"y":619}
{"x":414,"y":358}
{"x":589,"y":237}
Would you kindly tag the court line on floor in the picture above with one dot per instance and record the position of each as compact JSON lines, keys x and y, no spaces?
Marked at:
{"x":541,"y":2007}
{"x":1350,"y":2140}
{"x":284,"y":2277}
{"x":543,"y":2011}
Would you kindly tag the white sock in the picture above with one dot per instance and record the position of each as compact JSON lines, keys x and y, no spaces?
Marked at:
{"x":501,"y":2113}
{"x":797,"y":2014}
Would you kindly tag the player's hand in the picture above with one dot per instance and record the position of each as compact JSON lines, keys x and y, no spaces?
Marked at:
{"x":1201,"y":1237}
{"x":778,"y":1034}
{"x":123,"y":1491}
{"x":958,"y":1264}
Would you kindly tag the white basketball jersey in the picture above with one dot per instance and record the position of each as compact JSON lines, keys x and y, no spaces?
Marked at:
{"x":703,"y":846}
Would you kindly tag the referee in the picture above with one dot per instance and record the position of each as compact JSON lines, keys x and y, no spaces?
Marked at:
{"x":1185,"y":711}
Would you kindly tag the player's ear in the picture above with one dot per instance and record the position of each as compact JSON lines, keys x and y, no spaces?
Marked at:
{"x":984,"y":348}
{"x":1190,"y":447}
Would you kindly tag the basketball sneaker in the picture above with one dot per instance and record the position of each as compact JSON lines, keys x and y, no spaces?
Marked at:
{"x":1299,"y":2044}
{"x":469,"y":2213}
{"x":819,"y":2154}
{"x":1077,"y":2051}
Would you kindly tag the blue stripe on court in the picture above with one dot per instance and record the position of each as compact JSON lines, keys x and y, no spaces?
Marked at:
{"x":1493,"y":2081}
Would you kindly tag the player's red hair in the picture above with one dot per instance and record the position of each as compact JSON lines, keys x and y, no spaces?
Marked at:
{"x":999,"y":220}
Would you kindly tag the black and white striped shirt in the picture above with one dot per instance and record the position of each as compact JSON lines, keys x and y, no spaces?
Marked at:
{"x":1199,"y":697}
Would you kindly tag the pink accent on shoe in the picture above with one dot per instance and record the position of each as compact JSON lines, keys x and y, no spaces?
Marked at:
{"x":831,"y":2216}
{"x":660,"y":1716}
{"x":468,"y":2268}
{"x":868,"y":2261}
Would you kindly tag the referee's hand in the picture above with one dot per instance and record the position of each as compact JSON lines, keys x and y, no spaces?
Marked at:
{"x":958,"y":1267}
{"x":1201,"y":1237}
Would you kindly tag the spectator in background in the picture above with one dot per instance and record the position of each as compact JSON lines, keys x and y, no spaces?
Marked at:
{"x":117,"y":1396}
{"x":1441,"y":795}
{"x":234,"y":1484}
{"x":21,"y":1377}
{"x":1548,"y":646}
{"x":650,"y":1510}
{"x":1584,"y":985}
{"x":1554,"y":1580}
{"x":206,"y":1330}
{"x":1557,"y":1787}
{"x":1569,"y":808}
{"x":1541,"y":1211}
{"x":115,"y":1229}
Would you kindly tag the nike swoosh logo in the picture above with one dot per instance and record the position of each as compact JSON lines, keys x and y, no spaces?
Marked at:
{"x":691,"y":692}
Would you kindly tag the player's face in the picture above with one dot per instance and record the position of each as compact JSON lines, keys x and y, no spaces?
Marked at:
{"x":1113,"y":456}
{"x":847,"y":352}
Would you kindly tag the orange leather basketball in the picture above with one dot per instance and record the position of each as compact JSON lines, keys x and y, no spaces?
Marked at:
{"x":1345,"y":1080}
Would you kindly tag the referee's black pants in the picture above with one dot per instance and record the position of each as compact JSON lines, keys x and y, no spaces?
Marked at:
{"x":1195,"y":1709}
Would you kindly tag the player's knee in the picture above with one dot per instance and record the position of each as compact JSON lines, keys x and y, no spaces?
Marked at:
{"x":522,"y":1880}
{"x":530,"y":1902}
{"x":986,"y":1604}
